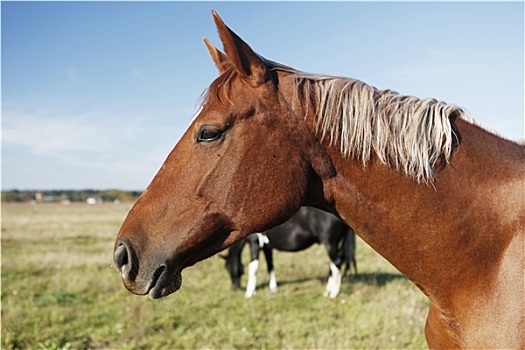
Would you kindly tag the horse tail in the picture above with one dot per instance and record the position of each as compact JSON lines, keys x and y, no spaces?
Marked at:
{"x":348,"y":250}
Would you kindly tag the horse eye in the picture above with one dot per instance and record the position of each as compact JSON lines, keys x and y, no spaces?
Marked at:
{"x":209,"y":134}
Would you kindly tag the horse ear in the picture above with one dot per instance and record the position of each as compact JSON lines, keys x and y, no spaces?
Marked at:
{"x":220,"y":59}
{"x":248,"y":64}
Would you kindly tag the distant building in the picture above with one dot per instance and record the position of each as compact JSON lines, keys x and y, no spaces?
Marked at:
{"x":93,"y":200}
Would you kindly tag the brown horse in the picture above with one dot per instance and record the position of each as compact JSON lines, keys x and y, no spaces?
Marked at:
{"x":437,"y":195}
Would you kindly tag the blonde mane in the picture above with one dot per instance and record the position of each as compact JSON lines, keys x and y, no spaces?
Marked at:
{"x":405,"y":132}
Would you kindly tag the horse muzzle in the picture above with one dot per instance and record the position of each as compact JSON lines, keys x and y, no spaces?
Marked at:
{"x":156,"y":278}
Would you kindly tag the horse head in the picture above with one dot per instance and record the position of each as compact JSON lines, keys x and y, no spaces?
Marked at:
{"x":213,"y":188}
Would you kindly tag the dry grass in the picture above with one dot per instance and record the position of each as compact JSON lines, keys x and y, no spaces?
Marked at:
{"x":59,"y":290}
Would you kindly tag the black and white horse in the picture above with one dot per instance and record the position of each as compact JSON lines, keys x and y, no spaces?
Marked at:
{"x":307,"y":227}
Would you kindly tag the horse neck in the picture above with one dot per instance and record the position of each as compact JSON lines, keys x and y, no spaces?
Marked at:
{"x":439,"y":235}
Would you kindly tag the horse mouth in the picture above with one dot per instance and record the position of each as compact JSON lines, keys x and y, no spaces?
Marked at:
{"x":164,"y":282}
{"x":167,"y":278}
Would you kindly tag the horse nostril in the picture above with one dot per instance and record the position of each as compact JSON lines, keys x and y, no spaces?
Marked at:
{"x":121,"y":257}
{"x":126,"y":260}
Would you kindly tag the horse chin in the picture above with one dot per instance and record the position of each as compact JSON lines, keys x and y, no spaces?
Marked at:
{"x":164,"y":283}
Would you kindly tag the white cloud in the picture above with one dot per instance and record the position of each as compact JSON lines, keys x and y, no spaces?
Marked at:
{"x":95,"y":148}
{"x":49,"y":135}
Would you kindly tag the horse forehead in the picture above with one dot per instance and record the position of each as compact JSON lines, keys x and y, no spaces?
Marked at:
{"x":230,"y":92}
{"x":196,"y":114}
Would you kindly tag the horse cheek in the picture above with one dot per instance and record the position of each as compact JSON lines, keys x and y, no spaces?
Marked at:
{"x":261,"y":195}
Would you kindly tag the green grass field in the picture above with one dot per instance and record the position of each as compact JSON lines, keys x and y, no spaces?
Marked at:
{"x":60,"y":291}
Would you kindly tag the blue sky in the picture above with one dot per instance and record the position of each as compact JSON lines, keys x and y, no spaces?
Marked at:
{"x":96,"y":94}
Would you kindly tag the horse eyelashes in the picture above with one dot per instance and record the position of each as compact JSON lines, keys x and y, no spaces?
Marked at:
{"x":209,"y":134}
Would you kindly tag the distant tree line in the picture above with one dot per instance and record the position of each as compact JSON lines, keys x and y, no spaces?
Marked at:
{"x":70,"y":195}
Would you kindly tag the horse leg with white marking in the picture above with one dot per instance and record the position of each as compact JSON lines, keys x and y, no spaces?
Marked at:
{"x":334,"y":280}
{"x":253,"y":266}
{"x":267,"y":249}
